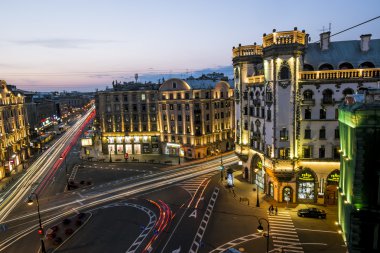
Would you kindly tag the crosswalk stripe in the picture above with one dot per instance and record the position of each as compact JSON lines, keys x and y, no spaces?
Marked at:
{"x":284,"y":235}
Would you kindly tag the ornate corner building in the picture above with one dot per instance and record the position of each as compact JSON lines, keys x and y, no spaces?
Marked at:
{"x":191,"y":118}
{"x":287,"y":93}
{"x":14,"y":130}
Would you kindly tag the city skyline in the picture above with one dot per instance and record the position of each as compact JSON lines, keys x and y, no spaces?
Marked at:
{"x":83,"y":46}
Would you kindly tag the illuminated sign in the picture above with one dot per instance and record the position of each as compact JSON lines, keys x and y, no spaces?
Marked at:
{"x":333,"y":177}
{"x":306,"y":176}
{"x":86,"y":142}
{"x":175,"y":145}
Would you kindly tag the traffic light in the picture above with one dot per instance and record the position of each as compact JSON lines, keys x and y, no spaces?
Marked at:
{"x":40,"y":231}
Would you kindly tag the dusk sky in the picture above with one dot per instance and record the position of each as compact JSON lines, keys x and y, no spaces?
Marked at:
{"x":85,"y":44}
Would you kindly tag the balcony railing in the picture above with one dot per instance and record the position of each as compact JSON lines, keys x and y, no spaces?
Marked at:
{"x":310,"y":102}
{"x":340,"y":74}
{"x":249,"y":50}
{"x":280,"y":38}
{"x":256,"y":79}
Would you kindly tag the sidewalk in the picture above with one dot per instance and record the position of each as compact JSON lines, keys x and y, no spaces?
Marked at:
{"x":245,"y":193}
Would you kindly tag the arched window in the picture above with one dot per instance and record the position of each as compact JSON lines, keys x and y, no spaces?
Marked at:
{"x":284,"y":73}
{"x":308,"y":67}
{"x":348,"y":91}
{"x":308,"y":95}
{"x":327,"y":96}
{"x":346,"y":65}
{"x":366,"y":65}
{"x":326,"y":66}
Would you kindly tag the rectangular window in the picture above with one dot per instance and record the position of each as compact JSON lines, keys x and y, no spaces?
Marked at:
{"x":307,"y":113}
{"x":179,"y":96}
{"x":322,"y":152}
{"x":284,"y":134}
{"x":187,"y":107}
{"x":171,"y":95}
{"x":179,"y":117}
{"x":174,"y":85}
{"x":143,"y":97}
{"x":172,"y":117}
{"x":322,"y":133}
{"x":164,"y":107}
{"x":322,"y":113}
{"x":196,"y":94}
{"x":164,"y":117}
{"x":307,"y":134}
{"x":336,"y":154}
{"x":269,"y":115}
{"x":307,"y":152}
{"x":336,"y":133}
{"x":179,"y":107}
{"x":187,"y":95}
{"x":262,"y":112}
{"x":187,"y":117}
{"x":283,"y":153}
{"x":171,"y":106}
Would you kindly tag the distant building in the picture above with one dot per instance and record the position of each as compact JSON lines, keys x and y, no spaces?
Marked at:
{"x":14,"y":130}
{"x":287,"y":93}
{"x":359,"y":186}
{"x":192,"y":118}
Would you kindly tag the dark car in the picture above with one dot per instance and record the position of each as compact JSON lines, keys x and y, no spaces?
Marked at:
{"x":312,"y":212}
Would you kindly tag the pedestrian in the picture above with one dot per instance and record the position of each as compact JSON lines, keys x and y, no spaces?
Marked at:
{"x":276,"y":210}
{"x":271,"y":210}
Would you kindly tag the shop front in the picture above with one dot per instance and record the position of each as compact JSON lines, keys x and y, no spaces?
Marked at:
{"x":287,"y":194}
{"x":306,"y":186}
{"x":257,"y":172}
{"x":332,"y":183}
{"x":134,"y":145}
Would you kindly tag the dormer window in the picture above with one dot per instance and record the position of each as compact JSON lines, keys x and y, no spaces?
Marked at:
{"x":284,"y":73}
{"x":174,"y":85}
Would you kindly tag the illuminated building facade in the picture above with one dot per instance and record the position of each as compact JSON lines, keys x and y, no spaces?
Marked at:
{"x":14,"y":130}
{"x":127,"y":116}
{"x":196,"y":117}
{"x":359,"y":186}
{"x":192,"y":118}
{"x":287,"y":93}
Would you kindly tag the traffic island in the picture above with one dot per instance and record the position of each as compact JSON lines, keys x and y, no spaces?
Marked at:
{"x":60,"y":233}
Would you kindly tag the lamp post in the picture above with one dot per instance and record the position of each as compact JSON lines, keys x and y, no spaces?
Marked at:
{"x":41,"y":230}
{"x":67,"y":180}
{"x":179,"y":157}
{"x":257,"y":190}
{"x":260,"y":229}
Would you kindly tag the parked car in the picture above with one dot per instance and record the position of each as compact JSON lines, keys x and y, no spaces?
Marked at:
{"x":312,"y":212}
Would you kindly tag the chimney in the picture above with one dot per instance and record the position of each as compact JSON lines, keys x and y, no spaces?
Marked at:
{"x":364,"y":42}
{"x":324,"y":40}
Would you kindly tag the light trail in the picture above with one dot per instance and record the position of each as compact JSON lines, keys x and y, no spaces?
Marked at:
{"x":36,"y":173}
{"x":121,"y":192}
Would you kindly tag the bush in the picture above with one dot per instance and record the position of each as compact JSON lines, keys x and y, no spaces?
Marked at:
{"x":78,"y":223}
{"x":69,"y":231}
{"x":57,"y":241}
{"x":55,"y":228}
{"x":66,"y":221}
{"x":81,"y":215}
{"x":51,"y":236}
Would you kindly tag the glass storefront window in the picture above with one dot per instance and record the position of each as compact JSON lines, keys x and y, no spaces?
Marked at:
{"x":145,"y":139}
{"x":271,"y":190}
{"x":136,"y":139}
{"x":119,"y":149}
{"x":111,"y":140}
{"x":119,"y":139}
{"x":287,"y":194}
{"x":111,"y":149}
{"x":306,"y":190}
{"x":128,"y":148}
{"x":127,"y":139}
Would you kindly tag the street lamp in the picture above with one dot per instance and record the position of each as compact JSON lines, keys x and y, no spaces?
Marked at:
{"x":257,"y":189}
{"x":40,"y":230}
{"x":67,"y":180}
{"x":260,"y":229}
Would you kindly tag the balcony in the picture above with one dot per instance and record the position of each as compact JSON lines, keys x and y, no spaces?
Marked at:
{"x":250,"y":50}
{"x":281,"y":38}
{"x":283,"y":175}
{"x":256,"y":79}
{"x":340,"y":74}
{"x":308,"y":102}
{"x":327,"y":101}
